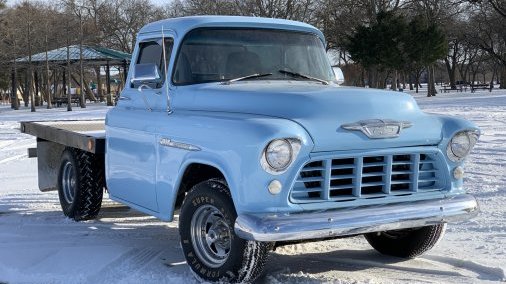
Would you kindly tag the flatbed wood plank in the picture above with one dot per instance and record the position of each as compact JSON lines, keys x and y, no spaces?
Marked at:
{"x":87,"y":135}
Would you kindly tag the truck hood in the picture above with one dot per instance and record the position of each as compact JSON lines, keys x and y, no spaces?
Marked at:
{"x":320,"y":109}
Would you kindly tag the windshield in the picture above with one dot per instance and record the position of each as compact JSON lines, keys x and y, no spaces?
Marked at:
{"x":213,"y":55}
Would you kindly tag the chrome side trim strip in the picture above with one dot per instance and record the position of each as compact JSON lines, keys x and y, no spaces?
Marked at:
{"x":179,"y":145}
{"x":356,"y":220}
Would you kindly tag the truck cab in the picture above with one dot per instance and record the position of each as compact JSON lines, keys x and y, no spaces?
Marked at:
{"x":240,"y":125}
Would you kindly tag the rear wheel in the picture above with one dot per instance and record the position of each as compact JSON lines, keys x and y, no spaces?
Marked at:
{"x":406,"y":243}
{"x":80,"y":184}
{"x":212,"y":250}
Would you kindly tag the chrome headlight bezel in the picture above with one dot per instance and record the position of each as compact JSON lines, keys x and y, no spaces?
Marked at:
{"x":292,"y":145}
{"x":461,"y":144}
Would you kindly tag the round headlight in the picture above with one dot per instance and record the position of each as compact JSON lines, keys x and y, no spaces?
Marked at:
{"x":278,"y":154}
{"x":460,"y":145}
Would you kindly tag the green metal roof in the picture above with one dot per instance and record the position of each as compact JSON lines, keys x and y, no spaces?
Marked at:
{"x":90,"y":53}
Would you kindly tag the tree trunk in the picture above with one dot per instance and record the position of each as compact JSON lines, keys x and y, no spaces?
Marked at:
{"x":55,"y":83}
{"x":451,"y":74}
{"x":417,"y":81}
{"x":14,"y":92}
{"x":394,"y":86}
{"x":31,"y":93}
{"x":43,"y":88}
{"x":502,"y":79}
{"x":384,"y":81}
{"x":30,"y":70}
{"x":410,"y":81}
{"x":370,"y":78}
{"x":362,"y":77}
{"x":26,"y":92}
{"x":48,"y":80}
{"x":69,"y":95}
{"x":474,"y":72}
{"x":404,"y":80}
{"x":81,"y":70}
{"x":431,"y":88}
{"x":36,"y":93}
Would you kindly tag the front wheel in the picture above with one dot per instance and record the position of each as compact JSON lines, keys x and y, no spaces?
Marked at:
{"x":406,"y":243}
{"x":211,"y":248}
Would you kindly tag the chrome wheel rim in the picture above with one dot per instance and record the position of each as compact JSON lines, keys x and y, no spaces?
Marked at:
{"x":211,"y":236}
{"x":68,"y":182}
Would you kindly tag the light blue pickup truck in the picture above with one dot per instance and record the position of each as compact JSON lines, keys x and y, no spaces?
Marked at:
{"x":239,"y":124}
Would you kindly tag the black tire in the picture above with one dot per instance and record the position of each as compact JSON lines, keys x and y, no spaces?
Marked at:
{"x":80,"y":184}
{"x":406,"y":243}
{"x":243,"y":262}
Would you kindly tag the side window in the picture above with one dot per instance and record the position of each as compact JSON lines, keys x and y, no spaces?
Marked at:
{"x":152,"y":52}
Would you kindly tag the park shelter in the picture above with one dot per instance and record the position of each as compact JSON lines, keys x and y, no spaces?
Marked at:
{"x":93,"y":57}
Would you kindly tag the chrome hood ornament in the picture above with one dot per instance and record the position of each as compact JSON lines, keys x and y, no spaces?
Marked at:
{"x":378,"y":128}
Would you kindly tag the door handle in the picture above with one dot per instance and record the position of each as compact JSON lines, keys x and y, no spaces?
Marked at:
{"x":144,"y":86}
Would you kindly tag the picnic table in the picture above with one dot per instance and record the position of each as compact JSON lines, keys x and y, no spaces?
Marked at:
{"x":64,"y":100}
{"x":475,"y":87}
{"x":458,"y":88}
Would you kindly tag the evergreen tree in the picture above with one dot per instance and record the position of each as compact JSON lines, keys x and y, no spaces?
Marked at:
{"x":392,"y":44}
{"x":425,"y":44}
{"x":381,"y":46}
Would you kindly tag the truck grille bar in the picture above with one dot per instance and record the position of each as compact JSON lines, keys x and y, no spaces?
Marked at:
{"x":368,"y":177}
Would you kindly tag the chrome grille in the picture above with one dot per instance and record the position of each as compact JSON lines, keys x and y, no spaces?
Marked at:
{"x":368,"y":177}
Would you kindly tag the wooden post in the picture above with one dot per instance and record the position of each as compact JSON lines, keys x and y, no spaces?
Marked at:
{"x":108,"y":82}
{"x":99,"y":84}
{"x":125,"y":71}
{"x":55,"y":83}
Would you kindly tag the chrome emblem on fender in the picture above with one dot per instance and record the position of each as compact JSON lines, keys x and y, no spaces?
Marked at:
{"x":378,"y":128}
{"x":171,"y":143}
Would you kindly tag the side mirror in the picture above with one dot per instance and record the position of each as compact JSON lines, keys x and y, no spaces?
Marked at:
{"x":339,"y":74}
{"x":146,"y":73}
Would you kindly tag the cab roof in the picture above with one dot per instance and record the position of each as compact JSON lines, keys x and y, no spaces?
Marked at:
{"x":181,"y":26}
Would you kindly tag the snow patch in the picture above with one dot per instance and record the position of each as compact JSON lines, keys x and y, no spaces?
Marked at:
{"x":39,"y":245}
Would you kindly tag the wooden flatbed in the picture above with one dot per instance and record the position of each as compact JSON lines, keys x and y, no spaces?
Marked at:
{"x":87,"y":135}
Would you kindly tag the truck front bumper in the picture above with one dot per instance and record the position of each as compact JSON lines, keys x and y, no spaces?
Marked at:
{"x":353,"y":221}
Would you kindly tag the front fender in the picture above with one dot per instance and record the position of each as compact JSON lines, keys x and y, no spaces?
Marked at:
{"x":232,"y":143}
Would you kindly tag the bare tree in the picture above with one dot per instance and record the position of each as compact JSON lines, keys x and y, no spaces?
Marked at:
{"x":120,"y":20}
{"x":488,"y":33}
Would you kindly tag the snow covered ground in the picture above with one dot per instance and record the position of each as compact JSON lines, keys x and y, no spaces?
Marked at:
{"x":39,"y":245}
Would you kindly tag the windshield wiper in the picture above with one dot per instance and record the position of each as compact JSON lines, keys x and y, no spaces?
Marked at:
{"x":256,"y":75}
{"x":295,"y":74}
